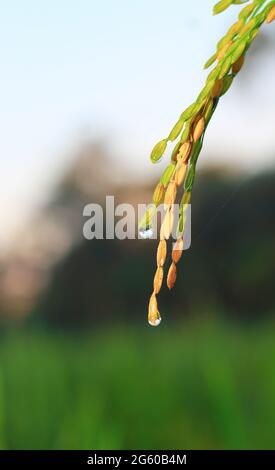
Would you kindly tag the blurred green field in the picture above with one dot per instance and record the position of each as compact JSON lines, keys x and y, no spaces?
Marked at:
{"x":204,"y":385}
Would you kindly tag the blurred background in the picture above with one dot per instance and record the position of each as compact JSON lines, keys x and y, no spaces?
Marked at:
{"x":87,"y":89}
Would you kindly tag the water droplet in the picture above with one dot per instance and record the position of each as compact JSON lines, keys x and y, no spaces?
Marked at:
{"x":155,"y":321}
{"x":154,"y":317}
{"x":146,"y":233}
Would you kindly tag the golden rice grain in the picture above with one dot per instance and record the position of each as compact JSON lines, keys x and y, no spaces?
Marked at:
{"x":223,"y":50}
{"x":161,"y":253}
{"x":158,"y":280}
{"x":180,"y":174}
{"x":158,"y":194}
{"x":177,"y":250}
{"x":217,"y":88}
{"x":198,"y":130}
{"x":247,"y":27}
{"x":171,"y":276}
{"x":235,"y":28}
{"x":184,"y":151}
{"x":271,"y":15}
{"x":236,"y":67}
{"x":170,"y":194}
{"x":167,"y":225}
{"x":186,"y":198}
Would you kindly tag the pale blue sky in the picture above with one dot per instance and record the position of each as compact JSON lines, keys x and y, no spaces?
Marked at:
{"x":120,"y":68}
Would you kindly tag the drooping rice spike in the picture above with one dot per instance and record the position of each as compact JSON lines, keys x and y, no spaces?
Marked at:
{"x":189,"y":133}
